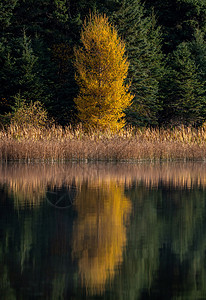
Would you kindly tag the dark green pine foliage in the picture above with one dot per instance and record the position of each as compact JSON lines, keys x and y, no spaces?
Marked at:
{"x":143,"y":45}
{"x":32,"y":67}
{"x":29,"y":82}
{"x":6,"y":12}
{"x":49,"y":24}
{"x":26,"y":58}
{"x":20,"y":72}
{"x":184,"y":101}
{"x":107,"y":6}
{"x":6,"y":63}
{"x":179,"y":19}
{"x":198,"y":50}
{"x":61,"y":10}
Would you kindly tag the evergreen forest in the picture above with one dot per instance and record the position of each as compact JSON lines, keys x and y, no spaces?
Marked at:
{"x":165,"y":45}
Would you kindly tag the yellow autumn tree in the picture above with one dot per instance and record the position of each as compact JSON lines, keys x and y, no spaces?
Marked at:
{"x":101,"y":68}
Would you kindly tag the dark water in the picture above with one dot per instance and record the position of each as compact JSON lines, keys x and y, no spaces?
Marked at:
{"x":105,"y":231}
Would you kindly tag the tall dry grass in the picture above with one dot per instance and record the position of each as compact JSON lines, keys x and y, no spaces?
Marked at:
{"x":60,"y":144}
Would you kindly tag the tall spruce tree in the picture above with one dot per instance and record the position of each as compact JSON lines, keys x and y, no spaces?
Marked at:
{"x":20,"y":64}
{"x":198,"y":51}
{"x":184,"y":101}
{"x":143,"y":47}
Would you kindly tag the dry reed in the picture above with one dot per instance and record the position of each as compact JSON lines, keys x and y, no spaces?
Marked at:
{"x":64,"y":144}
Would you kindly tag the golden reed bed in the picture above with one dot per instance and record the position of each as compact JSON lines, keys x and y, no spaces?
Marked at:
{"x":62,"y":144}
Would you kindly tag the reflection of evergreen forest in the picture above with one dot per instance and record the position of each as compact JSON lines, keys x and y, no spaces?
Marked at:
{"x":137,"y":237}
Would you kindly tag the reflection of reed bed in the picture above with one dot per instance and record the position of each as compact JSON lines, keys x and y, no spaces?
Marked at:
{"x":29,"y":182}
{"x":67,"y":144}
{"x":174,"y":173}
{"x":26,"y":193}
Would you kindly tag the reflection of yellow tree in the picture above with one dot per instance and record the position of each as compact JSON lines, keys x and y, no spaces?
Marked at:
{"x":100,"y":233}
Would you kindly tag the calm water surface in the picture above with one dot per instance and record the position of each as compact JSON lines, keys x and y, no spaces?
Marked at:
{"x":103,"y":231}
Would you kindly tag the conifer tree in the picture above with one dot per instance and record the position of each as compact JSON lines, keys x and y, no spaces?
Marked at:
{"x":101,"y":71}
{"x":198,"y":51}
{"x":143,"y":46}
{"x":184,"y":100}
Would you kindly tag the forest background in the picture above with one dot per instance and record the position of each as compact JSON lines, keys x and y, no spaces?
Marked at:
{"x":165,"y":46}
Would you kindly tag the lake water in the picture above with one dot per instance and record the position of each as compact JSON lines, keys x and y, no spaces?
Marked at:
{"x":103,"y":231}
